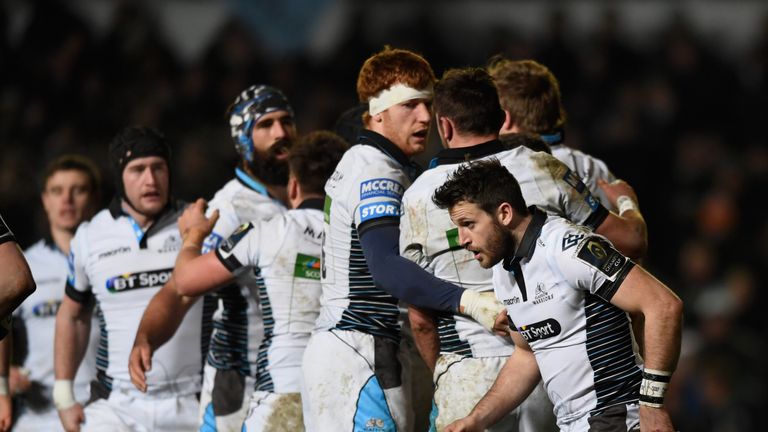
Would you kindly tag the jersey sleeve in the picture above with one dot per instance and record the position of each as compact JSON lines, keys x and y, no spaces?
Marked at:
{"x":5,"y":233}
{"x":240,"y":250}
{"x":590,"y":263}
{"x":225,"y":226}
{"x":78,"y":286}
{"x":578,"y":203}
{"x":377,"y":197}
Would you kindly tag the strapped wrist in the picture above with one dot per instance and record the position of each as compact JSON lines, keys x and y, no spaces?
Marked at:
{"x":654,"y":387}
{"x":63,"y":394}
{"x":3,"y":386}
{"x":625,"y":203}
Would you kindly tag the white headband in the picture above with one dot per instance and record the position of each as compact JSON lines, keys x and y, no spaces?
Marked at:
{"x":394,"y":95}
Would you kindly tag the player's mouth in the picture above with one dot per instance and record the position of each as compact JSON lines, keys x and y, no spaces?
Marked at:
{"x":151,"y":196}
{"x":420,"y":135}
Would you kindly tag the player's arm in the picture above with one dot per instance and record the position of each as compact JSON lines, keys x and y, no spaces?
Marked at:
{"x":515,"y":382}
{"x":73,"y":328}
{"x":16,"y":281}
{"x":627,"y":229}
{"x":424,"y":330}
{"x":410,"y":283}
{"x":641,"y":293}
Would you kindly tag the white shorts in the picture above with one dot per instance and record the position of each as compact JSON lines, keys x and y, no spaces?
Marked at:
{"x":274,"y":412}
{"x":38,"y":421}
{"x":354,"y":382}
{"x":460,"y":382}
{"x":224,"y":400}
{"x":124,"y":411}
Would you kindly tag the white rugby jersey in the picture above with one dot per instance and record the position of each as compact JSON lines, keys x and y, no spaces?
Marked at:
{"x":588,"y":168}
{"x":429,"y":237}
{"x":238,"y":327}
{"x":366,"y":186}
{"x":37,"y":315}
{"x":284,"y":251}
{"x":557,"y":290}
{"x":123,"y":267}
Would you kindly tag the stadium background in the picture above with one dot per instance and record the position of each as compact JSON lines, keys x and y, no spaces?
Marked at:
{"x":672,"y":95}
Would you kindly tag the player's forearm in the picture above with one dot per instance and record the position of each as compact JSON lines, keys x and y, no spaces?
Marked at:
{"x":16,"y":281}
{"x":5,"y":355}
{"x":73,"y":327}
{"x":662,"y":333}
{"x":515,"y":382}
{"x":163,"y":315}
{"x":425,"y":336}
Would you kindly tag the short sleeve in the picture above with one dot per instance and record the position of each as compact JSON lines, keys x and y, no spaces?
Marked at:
{"x":5,"y":233}
{"x":240,"y":250}
{"x":412,"y":239}
{"x":78,"y":286}
{"x":590,"y":263}
{"x":579,"y":204}
{"x":377,"y":197}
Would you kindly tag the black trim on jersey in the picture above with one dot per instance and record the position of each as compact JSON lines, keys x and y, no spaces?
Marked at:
{"x":465,"y":154}
{"x":609,"y":288}
{"x":231,"y":262}
{"x":168,"y":216}
{"x":5,"y":233}
{"x":373,"y":139}
{"x":312,"y":203}
{"x":528,"y":243}
{"x":597,"y":217}
{"x":78,"y":296}
{"x":535,"y":145}
{"x":376,"y":223}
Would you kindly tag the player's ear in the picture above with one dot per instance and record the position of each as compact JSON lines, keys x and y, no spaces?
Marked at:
{"x":505,"y":213}
{"x":445,"y":128}
{"x":508,"y":126}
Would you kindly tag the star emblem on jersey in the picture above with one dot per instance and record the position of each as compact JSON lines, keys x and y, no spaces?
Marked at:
{"x":571,"y":240}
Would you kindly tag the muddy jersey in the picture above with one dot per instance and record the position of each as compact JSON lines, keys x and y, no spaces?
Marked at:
{"x":365,"y":189}
{"x":5,"y":232}
{"x":37,"y":316}
{"x":123,"y":267}
{"x":557,"y":290}
{"x":284,"y":253}
{"x":429,"y":238}
{"x":238,"y":328}
{"x":588,"y":168}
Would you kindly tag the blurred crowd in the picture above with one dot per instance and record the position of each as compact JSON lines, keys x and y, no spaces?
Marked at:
{"x":676,"y":118}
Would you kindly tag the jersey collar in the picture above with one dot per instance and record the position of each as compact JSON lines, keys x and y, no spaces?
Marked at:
{"x":312,"y":203}
{"x":464,"y":154}
{"x":553,"y":138}
{"x":373,"y":139}
{"x":528,"y":243}
{"x":250,"y":182}
{"x":166,"y":217}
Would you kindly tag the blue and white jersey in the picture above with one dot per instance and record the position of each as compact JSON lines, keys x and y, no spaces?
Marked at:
{"x":588,"y":168}
{"x":284,"y":252}
{"x":429,"y":237}
{"x":5,"y":232}
{"x":557,"y":290}
{"x":238,"y":328}
{"x":37,"y":316}
{"x":123,"y":268}
{"x":365,"y":190}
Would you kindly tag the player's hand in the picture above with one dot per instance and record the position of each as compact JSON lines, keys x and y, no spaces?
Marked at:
{"x":193,"y":224}
{"x":6,"y":413}
{"x":482,"y":307}
{"x":463,"y":425}
{"x":139,"y":363}
{"x":18,"y":381}
{"x":501,"y":324}
{"x":655,"y":420}
{"x":616,"y":189}
{"x":72,"y":417}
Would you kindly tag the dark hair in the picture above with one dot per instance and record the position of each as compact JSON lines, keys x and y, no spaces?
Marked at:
{"x":532,"y":141}
{"x":486,"y":183}
{"x":314,"y":158}
{"x":469,"y":98}
{"x":71,"y":162}
{"x":530,"y":92}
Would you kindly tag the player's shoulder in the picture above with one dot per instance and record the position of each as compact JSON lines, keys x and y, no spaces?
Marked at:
{"x":429,"y":180}
{"x":36,"y":250}
{"x":562,"y":235}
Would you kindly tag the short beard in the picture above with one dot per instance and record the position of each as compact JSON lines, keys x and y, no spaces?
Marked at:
{"x":268,"y":168}
{"x":500,"y":243}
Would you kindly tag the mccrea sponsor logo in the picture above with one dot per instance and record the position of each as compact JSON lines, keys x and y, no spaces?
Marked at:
{"x":377,"y":210}
{"x":381,"y":187}
{"x":131,"y":281}
{"x":113,"y":252}
{"x":307,"y":267}
{"x":540,"y":330}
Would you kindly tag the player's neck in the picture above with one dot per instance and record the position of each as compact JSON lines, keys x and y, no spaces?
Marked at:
{"x":141,"y":219}
{"x":61,"y":238}
{"x":463,"y":141}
